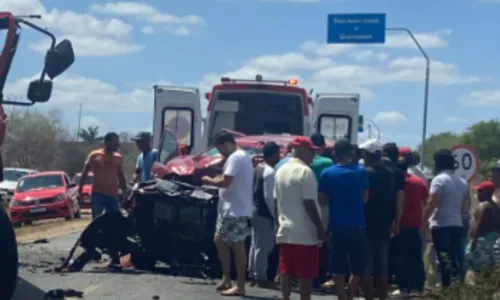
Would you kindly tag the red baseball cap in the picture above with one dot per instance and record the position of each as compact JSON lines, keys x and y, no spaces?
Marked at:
{"x":485,"y":185}
{"x":405,"y":151}
{"x":304,"y":141}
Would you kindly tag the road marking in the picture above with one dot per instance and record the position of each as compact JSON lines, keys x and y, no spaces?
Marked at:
{"x":85,"y":291}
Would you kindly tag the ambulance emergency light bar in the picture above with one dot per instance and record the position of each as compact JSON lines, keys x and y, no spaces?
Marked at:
{"x":259,"y":79}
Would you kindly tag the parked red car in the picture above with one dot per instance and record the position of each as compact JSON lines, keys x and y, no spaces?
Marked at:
{"x":87,"y":188}
{"x":44,"y":195}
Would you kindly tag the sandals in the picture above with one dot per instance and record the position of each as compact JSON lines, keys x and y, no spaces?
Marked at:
{"x":233,"y":292}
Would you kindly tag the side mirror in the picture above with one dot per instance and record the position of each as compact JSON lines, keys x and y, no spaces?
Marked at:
{"x":208,"y":96}
{"x":39,"y":90}
{"x":59,"y":59}
{"x":71,"y":185}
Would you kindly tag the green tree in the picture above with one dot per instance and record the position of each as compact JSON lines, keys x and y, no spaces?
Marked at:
{"x":89,"y":135}
{"x":436,"y":142}
{"x":484,"y":137}
{"x":33,"y":138}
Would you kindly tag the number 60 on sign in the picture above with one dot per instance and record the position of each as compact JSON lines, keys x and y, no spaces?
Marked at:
{"x":466,"y":161}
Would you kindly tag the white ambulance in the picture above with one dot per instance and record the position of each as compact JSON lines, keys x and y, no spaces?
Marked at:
{"x":251,"y":107}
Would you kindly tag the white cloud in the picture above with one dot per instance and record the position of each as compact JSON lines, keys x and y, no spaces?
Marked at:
{"x":146,"y":12}
{"x":93,"y":46}
{"x":389,"y":118}
{"x":148,"y":29}
{"x":97,"y":96}
{"x":426,"y":40}
{"x":178,"y":30}
{"x":88,"y":121}
{"x":481,"y":98}
{"x":289,"y":61}
{"x":455,"y":120}
{"x":177,"y":25}
{"x":95,"y":36}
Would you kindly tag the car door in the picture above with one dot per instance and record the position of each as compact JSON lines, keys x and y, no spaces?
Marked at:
{"x":169,"y":147}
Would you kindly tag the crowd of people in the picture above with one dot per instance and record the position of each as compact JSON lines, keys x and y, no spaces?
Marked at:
{"x":358,"y":221}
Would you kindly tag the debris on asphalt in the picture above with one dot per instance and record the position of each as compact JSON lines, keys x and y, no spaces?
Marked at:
{"x":156,"y":297}
{"x":41,"y":241}
{"x":62,"y":294}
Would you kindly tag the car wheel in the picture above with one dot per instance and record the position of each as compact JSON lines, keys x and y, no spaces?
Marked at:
{"x":28,"y":223}
{"x":8,"y":257}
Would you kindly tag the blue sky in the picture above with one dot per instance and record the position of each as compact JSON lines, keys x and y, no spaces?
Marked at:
{"x":123,"y":48}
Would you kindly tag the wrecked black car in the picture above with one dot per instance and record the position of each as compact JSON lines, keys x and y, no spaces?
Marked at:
{"x":168,"y":221}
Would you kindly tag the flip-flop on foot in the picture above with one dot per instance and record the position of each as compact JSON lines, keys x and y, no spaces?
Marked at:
{"x":233,"y":292}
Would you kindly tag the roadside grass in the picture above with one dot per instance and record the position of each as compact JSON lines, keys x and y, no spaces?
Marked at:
{"x":485,"y":286}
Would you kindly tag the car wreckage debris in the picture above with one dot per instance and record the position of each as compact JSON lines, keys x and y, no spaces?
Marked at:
{"x":170,"y":222}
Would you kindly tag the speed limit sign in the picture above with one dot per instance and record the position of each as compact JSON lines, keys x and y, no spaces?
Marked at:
{"x":466,"y":161}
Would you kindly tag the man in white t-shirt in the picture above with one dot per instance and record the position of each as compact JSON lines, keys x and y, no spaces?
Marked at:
{"x":234,"y":211}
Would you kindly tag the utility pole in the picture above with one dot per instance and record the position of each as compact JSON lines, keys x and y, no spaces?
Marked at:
{"x":426,"y":91}
{"x":369,"y":131}
{"x":79,"y":123}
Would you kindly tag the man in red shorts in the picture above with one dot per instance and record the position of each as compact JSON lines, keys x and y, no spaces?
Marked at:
{"x":300,"y":232}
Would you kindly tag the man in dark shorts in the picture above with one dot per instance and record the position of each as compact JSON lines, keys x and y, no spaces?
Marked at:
{"x":380,"y":215}
{"x":344,"y":188}
{"x":411,"y":271}
{"x":390,"y":156}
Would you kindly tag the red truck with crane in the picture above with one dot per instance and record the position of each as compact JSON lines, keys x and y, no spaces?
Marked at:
{"x":58,"y":58}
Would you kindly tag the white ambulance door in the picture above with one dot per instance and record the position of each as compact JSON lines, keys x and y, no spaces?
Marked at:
{"x":178,"y":108}
{"x":336,"y":116}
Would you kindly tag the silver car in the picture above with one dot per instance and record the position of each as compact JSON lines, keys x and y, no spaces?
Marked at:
{"x":10,"y":178}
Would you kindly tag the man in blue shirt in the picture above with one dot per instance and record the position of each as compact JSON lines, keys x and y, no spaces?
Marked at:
{"x":344,"y":188}
{"x":146,"y":159}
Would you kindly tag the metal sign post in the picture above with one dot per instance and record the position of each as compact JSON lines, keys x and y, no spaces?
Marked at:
{"x":371,"y":29}
{"x":426,"y":93}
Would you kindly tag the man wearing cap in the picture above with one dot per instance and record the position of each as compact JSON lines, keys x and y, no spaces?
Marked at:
{"x":410,"y":271}
{"x":344,"y":188}
{"x":145,"y":159}
{"x":263,"y":219}
{"x":484,"y":190}
{"x":410,"y":160}
{"x":380,"y":215}
{"x":300,"y":231}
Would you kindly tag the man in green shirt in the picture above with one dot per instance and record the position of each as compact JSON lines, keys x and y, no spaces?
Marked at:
{"x":319,"y":164}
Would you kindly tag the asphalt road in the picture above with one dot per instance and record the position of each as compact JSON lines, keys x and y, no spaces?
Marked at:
{"x":34,"y":280}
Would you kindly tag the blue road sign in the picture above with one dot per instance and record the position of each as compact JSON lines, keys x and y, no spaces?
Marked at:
{"x":356,"y":29}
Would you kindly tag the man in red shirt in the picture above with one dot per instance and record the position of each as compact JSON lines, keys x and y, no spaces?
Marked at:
{"x":410,"y":271}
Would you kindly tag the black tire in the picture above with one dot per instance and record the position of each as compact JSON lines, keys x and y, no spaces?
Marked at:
{"x":8,"y":257}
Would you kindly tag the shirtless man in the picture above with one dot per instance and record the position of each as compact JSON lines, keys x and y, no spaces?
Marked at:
{"x":107,"y":165}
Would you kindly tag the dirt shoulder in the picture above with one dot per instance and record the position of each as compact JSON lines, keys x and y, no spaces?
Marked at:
{"x":50,"y":228}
